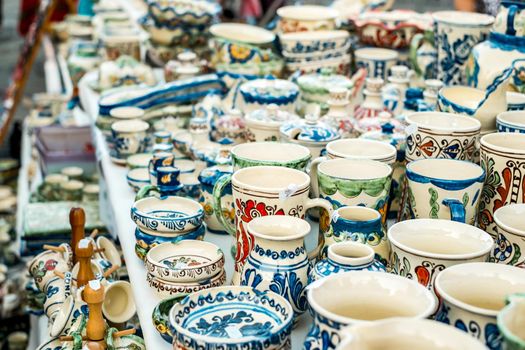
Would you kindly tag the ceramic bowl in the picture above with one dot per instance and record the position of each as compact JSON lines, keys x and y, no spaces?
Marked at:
{"x":305,"y":43}
{"x":338,"y":64}
{"x":377,"y":61}
{"x":185,"y":261}
{"x":161,"y":317}
{"x":513,"y":121}
{"x":259,"y":93}
{"x":270,"y":153}
{"x":515,"y":101}
{"x":510,"y":240}
{"x":274,"y":67}
{"x":247,"y":318}
{"x":306,"y":18}
{"x":511,"y":322}
{"x":138,"y":178}
{"x":140,"y":160}
{"x":403,"y":333}
{"x":183,"y":11}
{"x":167,"y":214}
{"x":167,"y":35}
{"x":242,"y":33}
{"x":110,"y":253}
{"x":164,"y":289}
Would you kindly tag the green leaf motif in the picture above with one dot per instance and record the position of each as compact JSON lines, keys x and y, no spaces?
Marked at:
{"x":516,"y":256}
{"x":434,"y":206}
{"x":465,"y":199}
{"x":353,"y":188}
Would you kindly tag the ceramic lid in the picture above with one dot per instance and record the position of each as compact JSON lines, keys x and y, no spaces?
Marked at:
{"x":388,"y":133}
{"x":268,"y":91}
{"x":209,"y":176}
{"x":322,"y":82}
{"x":310,"y":129}
{"x":271,"y":116}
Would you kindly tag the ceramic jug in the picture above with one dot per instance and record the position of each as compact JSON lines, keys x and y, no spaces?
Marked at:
{"x":261,"y":191}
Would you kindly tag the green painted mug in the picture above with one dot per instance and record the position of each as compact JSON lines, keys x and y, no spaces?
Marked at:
{"x":270,"y":153}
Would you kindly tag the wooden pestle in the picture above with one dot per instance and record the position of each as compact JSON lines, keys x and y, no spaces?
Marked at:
{"x":84,"y":252}
{"x":93,"y":295}
{"x":77,"y":219}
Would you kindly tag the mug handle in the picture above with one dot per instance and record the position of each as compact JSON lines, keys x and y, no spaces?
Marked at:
{"x":457,"y":209}
{"x":412,"y":54}
{"x":326,"y":205}
{"x":314,"y":184}
{"x":218,"y":190}
{"x":146,"y":192}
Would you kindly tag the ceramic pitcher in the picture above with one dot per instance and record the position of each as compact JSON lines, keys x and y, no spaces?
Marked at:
{"x":279,"y":261}
{"x":261,"y":191}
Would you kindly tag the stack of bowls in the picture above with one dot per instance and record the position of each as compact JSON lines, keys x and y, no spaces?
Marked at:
{"x":166,"y":219}
{"x":311,"y":51}
{"x":184,"y":267}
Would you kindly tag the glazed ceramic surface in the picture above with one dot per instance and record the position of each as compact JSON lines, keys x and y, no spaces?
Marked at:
{"x":186,"y":11}
{"x":56,"y":291}
{"x":164,"y":289}
{"x":472,"y":294}
{"x":161,"y":317}
{"x":510,"y":235}
{"x":306,"y":18}
{"x":422,"y":248}
{"x":42,"y":267}
{"x":270,"y":153}
{"x":236,"y":317}
{"x":315,"y":88}
{"x":138,"y":178}
{"x":377,"y":61}
{"x":261,"y":191}
{"x":264,"y":124}
{"x":510,"y":322}
{"x":369,"y":296}
{"x":258,"y":93}
{"x":72,"y":317}
{"x":513,"y":121}
{"x":361,"y":149}
{"x":307,"y":43}
{"x":442,"y":135}
{"x":515,"y":101}
{"x":445,"y":189}
{"x":140,"y":160}
{"x":119,"y":304}
{"x":503,"y":159}
{"x":278,"y":261}
{"x":129,"y":137}
{"x":208,"y":178}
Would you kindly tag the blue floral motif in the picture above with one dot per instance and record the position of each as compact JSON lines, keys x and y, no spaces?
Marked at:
{"x":493,"y":337}
{"x":51,"y":290}
{"x":283,"y":254}
{"x":323,"y":335}
{"x":442,"y":314}
{"x":292,"y":288}
{"x":241,"y":320}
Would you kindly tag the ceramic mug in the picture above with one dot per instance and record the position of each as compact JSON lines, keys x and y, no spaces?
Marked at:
{"x":42,"y":267}
{"x":129,"y":137}
{"x":368,"y":296}
{"x":377,"y":61}
{"x":510,"y":240}
{"x":503,"y":159}
{"x":279,"y":261}
{"x":473,"y":294}
{"x":513,"y":121}
{"x":71,"y":317}
{"x":119,"y":304}
{"x":444,"y":189}
{"x":455,"y":34}
{"x":208,"y":178}
{"x":270,"y":153}
{"x":422,"y":248}
{"x":441,"y":135}
{"x":57,"y":289}
{"x":511,"y":322}
{"x":157,"y":160}
{"x":261,"y":191}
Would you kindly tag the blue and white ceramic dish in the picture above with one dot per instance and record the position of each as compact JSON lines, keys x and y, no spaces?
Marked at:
{"x":161,"y":317}
{"x":309,"y":42}
{"x":259,"y":93}
{"x":515,"y":101}
{"x":138,"y":178}
{"x":188,"y":12}
{"x":167,"y":215}
{"x":234,"y":318}
{"x":513,"y":121}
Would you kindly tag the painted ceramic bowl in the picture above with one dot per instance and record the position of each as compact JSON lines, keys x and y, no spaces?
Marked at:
{"x":167,"y":215}
{"x":164,"y":289}
{"x":140,"y":160}
{"x":305,"y":43}
{"x":306,"y":18}
{"x":161,"y":317}
{"x":513,"y":121}
{"x":183,"y":11}
{"x":233,"y":317}
{"x":242,"y":33}
{"x":168,"y":35}
{"x":338,"y":65}
{"x":262,"y":92}
{"x":515,"y":101}
{"x":184,"y":261}
{"x":138,"y":178}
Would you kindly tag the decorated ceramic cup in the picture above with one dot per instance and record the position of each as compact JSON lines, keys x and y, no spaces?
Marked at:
{"x":444,"y":189}
{"x":57,"y":289}
{"x":42,"y":267}
{"x":129,"y":137}
{"x":377,"y":61}
{"x":306,"y":18}
{"x":422,"y":248}
{"x":511,"y":322}
{"x":473,"y":294}
{"x":119,"y":304}
{"x":510,"y":241}
{"x":503,"y":159}
{"x":270,"y":153}
{"x":441,"y":135}
{"x":72,"y":316}
{"x":513,"y":121}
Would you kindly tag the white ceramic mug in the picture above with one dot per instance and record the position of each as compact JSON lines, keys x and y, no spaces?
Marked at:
{"x":377,"y":61}
{"x":129,"y":137}
{"x":510,"y":240}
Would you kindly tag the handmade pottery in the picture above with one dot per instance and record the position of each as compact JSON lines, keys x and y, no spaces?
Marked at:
{"x":125,"y":71}
{"x":138,"y":178}
{"x":278,"y":261}
{"x":445,"y":189}
{"x":270,"y":153}
{"x":167,"y":215}
{"x":472,"y":294}
{"x":242,"y":33}
{"x":307,"y":43}
{"x":129,"y":137}
{"x":42,"y":267}
{"x":83,"y":58}
{"x":261,"y":191}
{"x":228,"y":128}
{"x":164,"y":289}
{"x":258,"y":320}
{"x":50,"y":189}
{"x":73,"y":172}
{"x":344,"y":257}
{"x":455,"y":34}
{"x":259,"y":93}
{"x":190,"y":12}
{"x":161,"y":317}
{"x":57,"y":290}
{"x":510,"y":231}
{"x":17,"y":340}
{"x":71,"y":317}
{"x":422,"y":248}
{"x":360,"y":149}
{"x":372,"y":105}
{"x":377,"y":61}
{"x":157,"y":160}
{"x":264,"y":124}
{"x":423,"y":55}
{"x":123,"y":342}
{"x":119,"y":304}
{"x":52,"y":344}
{"x":208,"y":178}
{"x":110,"y":253}
{"x":402,"y":333}
{"x":513,"y":121}
{"x":185,"y":261}
{"x":503,"y":159}
{"x":306,"y":18}
{"x":140,"y":160}
{"x":339,"y":114}
{"x":515,"y":101}
{"x":90,"y":193}
{"x":168,"y":183}
{"x":394,"y":296}
{"x":441,"y":135}
{"x":71,"y":190}
{"x":510,"y":322}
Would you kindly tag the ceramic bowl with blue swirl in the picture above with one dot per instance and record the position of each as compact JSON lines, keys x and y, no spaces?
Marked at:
{"x":259,"y":93}
{"x":137,"y":178}
{"x":512,"y":121}
{"x":167,"y":215}
{"x":234,"y":318}
{"x":190,"y":12}
{"x":313,"y":42}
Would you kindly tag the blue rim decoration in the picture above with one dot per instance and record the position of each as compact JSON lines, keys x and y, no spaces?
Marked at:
{"x":448,"y":185}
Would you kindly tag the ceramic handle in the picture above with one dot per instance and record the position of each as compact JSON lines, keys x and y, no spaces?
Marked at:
{"x":412,"y":56}
{"x":146,"y":192}
{"x":324,"y":204}
{"x":314,"y":184}
{"x":218,"y":190}
{"x":457,"y":209}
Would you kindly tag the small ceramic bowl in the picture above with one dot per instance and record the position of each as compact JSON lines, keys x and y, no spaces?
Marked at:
{"x":164,"y":289}
{"x":110,"y":252}
{"x":161,"y":317}
{"x":167,"y":215}
{"x":185,"y":261}
{"x":140,"y":160}
{"x":310,"y":42}
{"x":138,"y":178}
{"x":248,"y":319}
{"x":183,"y":11}
{"x":513,"y":121}
{"x":259,"y":93}
{"x":242,"y":33}
{"x":515,"y":101}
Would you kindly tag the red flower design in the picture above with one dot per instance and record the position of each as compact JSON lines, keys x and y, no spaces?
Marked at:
{"x":251,"y":209}
{"x":423,"y":276}
{"x":504,"y":189}
{"x":50,"y":265}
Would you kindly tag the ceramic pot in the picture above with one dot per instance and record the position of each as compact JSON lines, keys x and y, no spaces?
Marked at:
{"x":377,"y":61}
{"x":455,"y":34}
{"x":503,"y":159}
{"x":208,"y":178}
{"x":261,"y":191}
{"x":278,"y":261}
{"x":510,"y":322}
{"x":160,"y":159}
{"x":129,"y":137}
{"x":393,"y":296}
{"x":444,"y":189}
{"x":90,"y":193}
{"x":422,"y":248}
{"x":513,"y":121}
{"x":423,"y":55}
{"x":164,"y":289}
{"x":119,"y":304}
{"x":510,"y":240}
{"x":264,"y":124}
{"x":270,"y":153}
{"x":345,"y":257}
{"x":259,"y":93}
{"x":472,"y":294}
{"x":402,"y":333}
{"x":306,"y":18}
{"x":308,"y":43}
{"x":71,"y":190}
{"x":442,"y":135}
{"x":72,"y":317}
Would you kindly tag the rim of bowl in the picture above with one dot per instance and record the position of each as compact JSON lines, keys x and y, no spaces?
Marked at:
{"x":302,"y":185}
{"x":476,"y":124}
{"x":487,"y":141}
{"x":224,"y":31}
{"x":387,"y":169}
{"x":375,"y":54}
{"x":463,"y":18}
{"x":387,"y":156}
{"x":198,"y":207}
{"x":301,"y":227}
{"x":506,"y":227}
{"x":320,"y":13}
{"x":316,"y":35}
{"x":153,"y":261}
{"x":479,"y":178}
{"x":300,"y":149}
{"x":506,"y":118}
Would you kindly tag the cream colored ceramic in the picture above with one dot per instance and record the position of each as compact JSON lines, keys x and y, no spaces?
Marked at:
{"x":164,"y":289}
{"x":242,"y":33}
{"x":404,"y":334}
{"x":71,"y":190}
{"x":71,"y":317}
{"x":511,"y":322}
{"x":119,"y":303}
{"x":42,"y":267}
{"x":510,"y":240}
{"x":90,"y":193}
{"x":270,"y":153}
{"x":73,"y":172}
{"x":306,"y":18}
{"x":422,"y":248}
{"x":264,"y":124}
{"x":473,"y":294}
{"x":57,"y":290}
{"x":361,"y":149}
{"x":129,"y":137}
{"x":377,"y":61}
{"x":110,"y":253}
{"x":511,"y":121}
{"x":121,"y":113}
